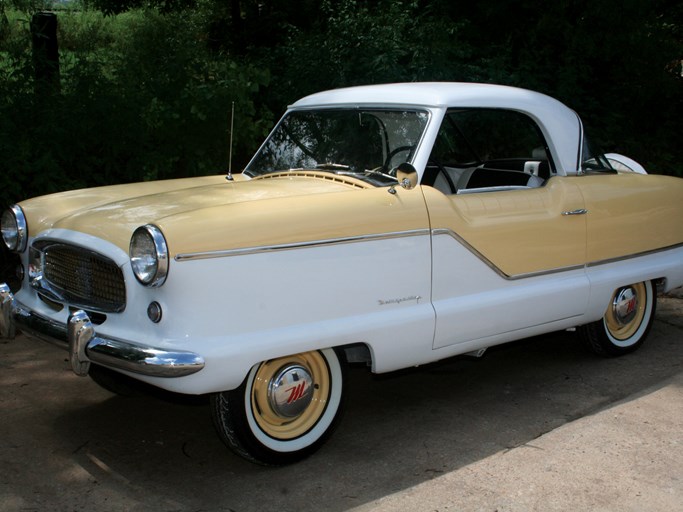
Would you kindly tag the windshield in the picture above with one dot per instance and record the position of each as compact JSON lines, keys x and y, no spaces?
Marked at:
{"x":365,"y":143}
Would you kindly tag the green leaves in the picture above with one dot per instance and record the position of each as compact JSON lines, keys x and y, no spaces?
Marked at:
{"x":147,"y":93}
{"x":142,"y":98}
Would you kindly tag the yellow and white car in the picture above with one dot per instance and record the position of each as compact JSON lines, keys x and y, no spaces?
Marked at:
{"x":391,"y":224}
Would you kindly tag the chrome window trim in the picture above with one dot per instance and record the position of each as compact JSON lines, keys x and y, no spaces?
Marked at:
{"x":299,"y":245}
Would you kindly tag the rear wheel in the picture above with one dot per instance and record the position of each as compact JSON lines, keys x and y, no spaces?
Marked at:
{"x":285,"y":409}
{"x":626,"y":323}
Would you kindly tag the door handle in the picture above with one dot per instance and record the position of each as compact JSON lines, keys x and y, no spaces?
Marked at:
{"x":580,"y":211}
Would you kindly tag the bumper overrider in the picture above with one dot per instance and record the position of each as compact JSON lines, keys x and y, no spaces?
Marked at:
{"x":78,"y":336}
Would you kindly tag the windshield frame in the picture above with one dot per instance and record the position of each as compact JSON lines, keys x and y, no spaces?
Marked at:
{"x":377,"y":176}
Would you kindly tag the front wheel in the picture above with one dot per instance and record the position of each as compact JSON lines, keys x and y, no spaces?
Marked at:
{"x":626,"y":323}
{"x":285,"y":409}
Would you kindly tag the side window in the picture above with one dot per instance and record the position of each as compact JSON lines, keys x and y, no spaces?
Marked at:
{"x":592,"y":158}
{"x":481,"y":150}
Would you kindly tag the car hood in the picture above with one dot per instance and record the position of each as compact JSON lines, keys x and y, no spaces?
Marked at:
{"x":209,"y":213}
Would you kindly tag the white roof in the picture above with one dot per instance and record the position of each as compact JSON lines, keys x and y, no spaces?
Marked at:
{"x":561,"y":126}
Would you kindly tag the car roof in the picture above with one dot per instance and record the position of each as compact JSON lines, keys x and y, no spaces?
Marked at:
{"x":561,"y":126}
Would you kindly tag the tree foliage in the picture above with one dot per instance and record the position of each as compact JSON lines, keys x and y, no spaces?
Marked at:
{"x":147,"y":85}
{"x":141,"y":98}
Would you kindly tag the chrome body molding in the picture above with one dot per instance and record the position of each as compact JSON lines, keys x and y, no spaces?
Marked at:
{"x":299,"y":245}
{"x":580,"y":211}
{"x":492,"y":266}
{"x":80,"y":338}
{"x":631,"y":256}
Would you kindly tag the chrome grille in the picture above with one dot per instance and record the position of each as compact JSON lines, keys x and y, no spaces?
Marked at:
{"x":82,"y":277}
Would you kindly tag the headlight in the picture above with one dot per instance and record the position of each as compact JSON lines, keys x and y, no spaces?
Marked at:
{"x":149,"y":255}
{"x":14,"y":230}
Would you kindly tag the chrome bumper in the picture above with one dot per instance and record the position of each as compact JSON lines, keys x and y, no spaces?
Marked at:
{"x":78,"y":336}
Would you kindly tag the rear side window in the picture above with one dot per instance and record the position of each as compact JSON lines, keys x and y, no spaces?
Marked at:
{"x":592,"y":158}
{"x":476,"y":136}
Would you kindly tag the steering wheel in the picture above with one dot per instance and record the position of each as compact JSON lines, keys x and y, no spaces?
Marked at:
{"x":395,"y":152}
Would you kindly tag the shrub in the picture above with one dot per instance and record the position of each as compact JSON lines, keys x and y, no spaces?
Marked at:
{"x":141,"y":98}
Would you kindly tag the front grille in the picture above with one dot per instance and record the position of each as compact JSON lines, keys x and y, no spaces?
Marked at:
{"x":83,"y":278}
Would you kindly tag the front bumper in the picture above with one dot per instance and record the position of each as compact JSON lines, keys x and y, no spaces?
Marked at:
{"x":78,"y":336}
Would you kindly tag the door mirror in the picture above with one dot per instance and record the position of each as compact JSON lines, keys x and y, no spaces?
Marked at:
{"x":406,"y":176}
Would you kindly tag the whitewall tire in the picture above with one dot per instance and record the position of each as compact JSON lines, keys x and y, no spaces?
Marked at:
{"x":626,"y":323}
{"x":285,"y":409}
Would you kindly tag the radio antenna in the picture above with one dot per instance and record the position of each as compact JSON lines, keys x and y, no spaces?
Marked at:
{"x":232,"y":122}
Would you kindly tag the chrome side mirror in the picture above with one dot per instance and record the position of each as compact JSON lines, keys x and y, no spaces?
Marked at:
{"x":406,"y":175}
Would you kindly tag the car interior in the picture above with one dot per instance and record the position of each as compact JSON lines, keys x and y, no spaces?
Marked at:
{"x":473,"y":148}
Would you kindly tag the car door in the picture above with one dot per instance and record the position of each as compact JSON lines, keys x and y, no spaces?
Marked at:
{"x":507,"y":260}
{"x":503,"y":262}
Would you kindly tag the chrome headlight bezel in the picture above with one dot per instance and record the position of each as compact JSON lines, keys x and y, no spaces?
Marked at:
{"x":148,"y":253}
{"x":14,"y":229}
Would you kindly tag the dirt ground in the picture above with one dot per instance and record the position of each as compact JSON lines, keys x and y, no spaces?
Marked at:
{"x":539,"y":424}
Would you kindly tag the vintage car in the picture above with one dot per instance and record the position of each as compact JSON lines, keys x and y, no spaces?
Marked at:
{"x":394,"y":225}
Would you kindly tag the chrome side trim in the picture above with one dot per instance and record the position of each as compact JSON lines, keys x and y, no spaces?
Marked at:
{"x":636,"y":255}
{"x":299,"y":245}
{"x":79,"y":337}
{"x":492,"y":266}
{"x":464,"y":243}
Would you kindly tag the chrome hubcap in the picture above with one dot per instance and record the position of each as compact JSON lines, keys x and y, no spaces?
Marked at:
{"x":290,"y":391}
{"x":625,"y":306}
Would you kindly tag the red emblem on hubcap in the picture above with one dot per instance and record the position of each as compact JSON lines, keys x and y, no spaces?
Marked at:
{"x":631,"y":306}
{"x":296,"y":392}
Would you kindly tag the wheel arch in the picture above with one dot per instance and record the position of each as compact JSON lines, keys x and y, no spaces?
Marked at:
{"x":357,"y":353}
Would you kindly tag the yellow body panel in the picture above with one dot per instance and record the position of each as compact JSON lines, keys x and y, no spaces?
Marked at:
{"x":211,"y":214}
{"x":631,"y":214}
{"x":47,"y":211}
{"x":297,"y":219}
{"x":517,"y":231}
{"x":521,"y":232}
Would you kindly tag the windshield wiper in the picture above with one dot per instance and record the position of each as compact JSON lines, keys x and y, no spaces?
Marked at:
{"x":329,"y":166}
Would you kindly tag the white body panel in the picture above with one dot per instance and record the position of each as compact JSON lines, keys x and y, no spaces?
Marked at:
{"x":482,"y":309}
{"x":560,"y":125}
{"x":473,"y":302}
{"x":237,"y":311}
